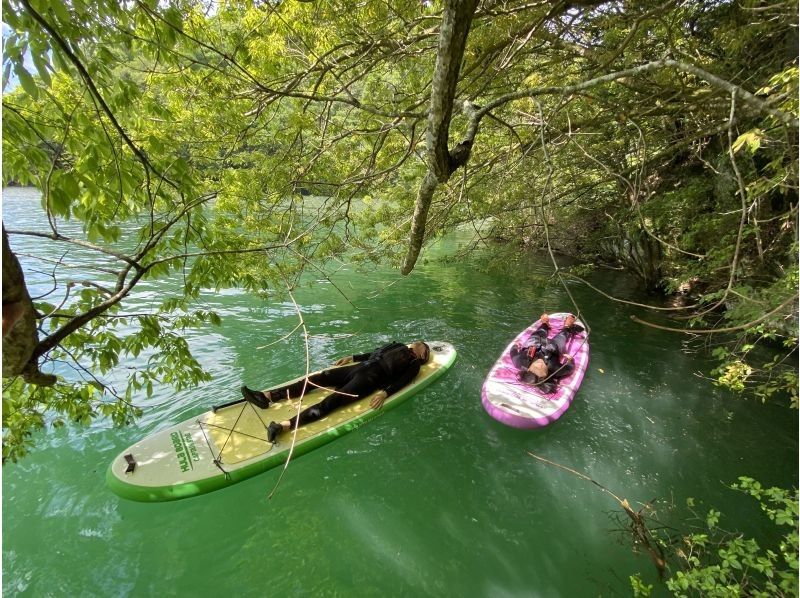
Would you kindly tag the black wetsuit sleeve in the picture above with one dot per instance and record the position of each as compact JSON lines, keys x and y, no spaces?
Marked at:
{"x":564,"y":370}
{"x":407,"y":376}
{"x":574,"y":329}
{"x":361,"y":357}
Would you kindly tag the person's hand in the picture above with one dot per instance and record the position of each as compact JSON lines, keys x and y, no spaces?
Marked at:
{"x":544,"y":318}
{"x":344,"y":360}
{"x":568,"y":357}
{"x":378,"y":399}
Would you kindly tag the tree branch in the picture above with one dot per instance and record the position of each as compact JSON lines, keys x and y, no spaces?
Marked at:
{"x":456,"y":22}
{"x":87,"y":79}
{"x":750,"y":324}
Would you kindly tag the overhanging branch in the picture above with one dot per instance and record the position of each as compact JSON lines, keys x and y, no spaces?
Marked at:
{"x":475,"y":114}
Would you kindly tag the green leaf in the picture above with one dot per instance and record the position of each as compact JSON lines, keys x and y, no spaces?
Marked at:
{"x":751,"y":140}
{"x":57,"y":8}
{"x":60,"y":201}
{"x":60,"y":62}
{"x":173,"y":16}
{"x":27,"y":82}
{"x":44,"y":307}
{"x":41,"y":67}
{"x":6,"y":74}
{"x":69,"y":185}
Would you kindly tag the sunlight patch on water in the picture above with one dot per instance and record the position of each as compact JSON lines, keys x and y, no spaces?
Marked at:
{"x":395,"y":548}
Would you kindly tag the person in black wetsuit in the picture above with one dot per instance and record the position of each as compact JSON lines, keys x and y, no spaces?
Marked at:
{"x":388,"y":368}
{"x":540,"y":358}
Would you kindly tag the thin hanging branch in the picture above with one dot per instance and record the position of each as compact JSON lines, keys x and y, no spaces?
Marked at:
{"x":545,"y":193}
{"x":639,"y":530}
{"x":301,"y":324}
{"x":742,"y":220}
{"x":625,"y":301}
{"x":791,"y":300}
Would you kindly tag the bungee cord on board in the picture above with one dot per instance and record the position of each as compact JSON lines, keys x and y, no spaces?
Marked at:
{"x":217,"y":459}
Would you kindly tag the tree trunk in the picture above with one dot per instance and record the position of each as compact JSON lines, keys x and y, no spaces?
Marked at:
{"x":456,"y":22}
{"x":19,"y":323}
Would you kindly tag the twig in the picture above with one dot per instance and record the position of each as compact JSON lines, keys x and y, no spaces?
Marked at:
{"x":792,"y":299}
{"x":625,"y":301}
{"x":283,"y":338}
{"x":302,"y":393}
{"x":639,"y":527}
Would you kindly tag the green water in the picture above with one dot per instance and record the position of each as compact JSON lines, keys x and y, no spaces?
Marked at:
{"x":434,"y":498}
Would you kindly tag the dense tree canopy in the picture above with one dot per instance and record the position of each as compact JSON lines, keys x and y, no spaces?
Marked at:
{"x":661,"y":137}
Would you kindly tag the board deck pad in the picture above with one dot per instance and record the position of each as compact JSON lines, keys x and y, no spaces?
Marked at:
{"x":222,"y":447}
{"x":239,"y":432}
{"x":521,"y":405}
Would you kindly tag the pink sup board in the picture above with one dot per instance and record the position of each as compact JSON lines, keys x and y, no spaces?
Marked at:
{"x":516,"y":403}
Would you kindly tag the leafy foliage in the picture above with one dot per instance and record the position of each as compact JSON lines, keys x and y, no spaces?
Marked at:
{"x":714,"y":562}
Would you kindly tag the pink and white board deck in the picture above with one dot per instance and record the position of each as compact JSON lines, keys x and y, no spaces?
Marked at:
{"x":516,"y":403}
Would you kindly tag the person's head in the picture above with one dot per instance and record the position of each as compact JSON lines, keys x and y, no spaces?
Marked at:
{"x":569,"y":320}
{"x":539,"y":368}
{"x":420,"y":350}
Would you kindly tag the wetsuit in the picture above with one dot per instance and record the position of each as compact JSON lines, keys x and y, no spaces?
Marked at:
{"x":388,"y":368}
{"x":525,"y":355}
{"x":549,"y":350}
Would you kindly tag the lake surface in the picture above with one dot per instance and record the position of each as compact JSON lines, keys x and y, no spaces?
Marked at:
{"x":434,"y":498}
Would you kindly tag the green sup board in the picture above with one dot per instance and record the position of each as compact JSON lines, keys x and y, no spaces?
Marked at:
{"x":229,"y":444}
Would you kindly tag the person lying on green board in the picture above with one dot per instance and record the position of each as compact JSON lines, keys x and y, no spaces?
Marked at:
{"x":388,"y":368}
